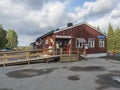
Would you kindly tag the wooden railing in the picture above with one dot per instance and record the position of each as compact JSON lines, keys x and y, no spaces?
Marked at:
{"x":23,"y":56}
{"x":41,"y":54}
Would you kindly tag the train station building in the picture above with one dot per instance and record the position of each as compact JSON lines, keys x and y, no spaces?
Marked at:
{"x":82,"y":36}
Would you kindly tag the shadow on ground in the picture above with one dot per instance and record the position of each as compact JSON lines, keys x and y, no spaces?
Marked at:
{"x":74,"y":78}
{"x":87,"y":69}
{"x":29,"y":73}
{"x":108,"y":80}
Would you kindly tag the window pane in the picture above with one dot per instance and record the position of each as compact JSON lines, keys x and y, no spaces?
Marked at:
{"x":91,"y":43}
{"x":101,"y":43}
{"x":79,"y":44}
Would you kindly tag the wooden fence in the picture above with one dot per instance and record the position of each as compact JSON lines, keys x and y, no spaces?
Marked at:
{"x":70,"y":55}
{"x":41,"y":54}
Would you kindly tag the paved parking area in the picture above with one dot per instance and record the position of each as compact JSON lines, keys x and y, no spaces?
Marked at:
{"x":91,"y":74}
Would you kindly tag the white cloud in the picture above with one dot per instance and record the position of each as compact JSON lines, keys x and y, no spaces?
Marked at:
{"x":100,"y":5}
{"x":23,"y":39}
{"x":7,"y":7}
{"x":19,"y":16}
{"x":50,"y":14}
{"x":98,"y":13}
{"x":53,"y":14}
{"x":112,"y":17}
{"x":101,"y":22}
{"x":46,"y":17}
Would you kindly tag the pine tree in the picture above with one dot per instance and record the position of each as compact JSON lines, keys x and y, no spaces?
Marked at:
{"x":98,"y":28}
{"x":110,"y":38}
{"x":117,"y":39}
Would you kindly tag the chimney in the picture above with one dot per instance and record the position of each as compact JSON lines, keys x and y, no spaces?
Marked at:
{"x":69,"y":24}
{"x":57,"y":29}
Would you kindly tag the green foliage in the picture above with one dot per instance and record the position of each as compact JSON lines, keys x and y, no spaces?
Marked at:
{"x":23,"y":48}
{"x":113,"y":38}
{"x":12,"y":39}
{"x":110,"y":38}
{"x":8,"y":39}
{"x":98,"y":28}
{"x":117,"y":39}
{"x":3,"y":39}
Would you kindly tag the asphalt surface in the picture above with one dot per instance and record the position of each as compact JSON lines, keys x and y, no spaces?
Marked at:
{"x":91,"y":74}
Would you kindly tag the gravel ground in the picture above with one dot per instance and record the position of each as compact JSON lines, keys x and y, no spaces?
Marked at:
{"x":92,"y":74}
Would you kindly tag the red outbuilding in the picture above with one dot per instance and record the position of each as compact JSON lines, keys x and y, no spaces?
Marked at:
{"x":82,"y":36}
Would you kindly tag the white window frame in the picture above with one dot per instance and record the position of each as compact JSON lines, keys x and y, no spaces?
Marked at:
{"x":46,"y":41}
{"x":101,"y":43}
{"x":91,"y":42}
{"x":79,"y":45}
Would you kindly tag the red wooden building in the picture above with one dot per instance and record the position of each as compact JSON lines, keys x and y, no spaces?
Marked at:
{"x":82,"y":35}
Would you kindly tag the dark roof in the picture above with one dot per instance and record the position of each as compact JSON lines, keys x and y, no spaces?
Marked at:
{"x":43,"y":36}
{"x":33,"y":43}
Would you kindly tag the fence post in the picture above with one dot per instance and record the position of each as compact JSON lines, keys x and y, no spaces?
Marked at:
{"x":61,"y":51}
{"x":47,"y":52}
{"x":5,"y":59}
{"x":69,"y":54}
{"x":78,"y":53}
{"x":28,"y":57}
{"x":54,"y":53}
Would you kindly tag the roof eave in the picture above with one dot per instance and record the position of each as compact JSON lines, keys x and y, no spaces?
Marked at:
{"x":70,"y":27}
{"x":45,"y":35}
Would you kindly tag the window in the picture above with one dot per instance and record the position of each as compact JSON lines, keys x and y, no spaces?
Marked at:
{"x":79,"y":44}
{"x":91,"y":42}
{"x":101,"y":42}
{"x":46,"y":41}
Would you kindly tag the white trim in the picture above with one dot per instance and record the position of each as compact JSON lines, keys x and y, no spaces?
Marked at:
{"x":81,"y":40}
{"x":91,"y":42}
{"x":63,"y":36}
{"x":101,"y":43}
{"x":36,"y":43}
{"x":96,"y":55}
{"x":69,"y":27}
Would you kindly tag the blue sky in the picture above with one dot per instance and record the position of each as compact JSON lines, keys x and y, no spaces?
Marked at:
{"x":33,"y":18}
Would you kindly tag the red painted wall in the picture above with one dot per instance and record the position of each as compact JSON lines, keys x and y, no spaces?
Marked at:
{"x":82,"y":31}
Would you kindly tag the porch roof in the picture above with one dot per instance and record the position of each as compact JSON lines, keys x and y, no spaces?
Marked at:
{"x":63,"y":36}
{"x":82,"y":40}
